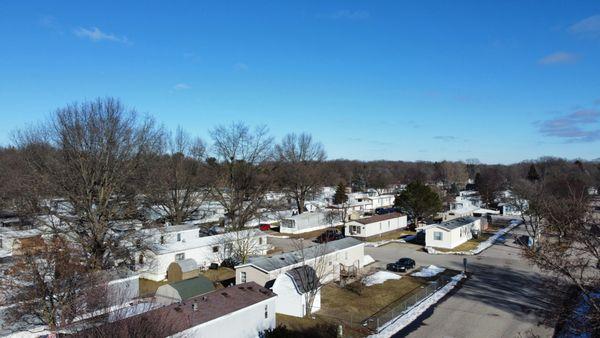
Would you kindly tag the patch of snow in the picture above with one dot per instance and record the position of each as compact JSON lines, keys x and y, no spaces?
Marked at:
{"x":414,"y":312}
{"x":5,"y":253}
{"x":379,"y":278}
{"x":277,"y":236}
{"x":429,"y":271}
{"x":367,"y":259}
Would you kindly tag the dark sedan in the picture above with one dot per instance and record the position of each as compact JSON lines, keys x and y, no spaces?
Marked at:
{"x":401,"y":265}
{"x":329,"y":235}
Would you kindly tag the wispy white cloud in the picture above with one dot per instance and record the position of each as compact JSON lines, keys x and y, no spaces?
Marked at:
{"x":559,"y":58}
{"x":48,"y":21}
{"x":240,"y":67}
{"x":445,"y":138}
{"x":182,"y":86}
{"x":95,"y":34}
{"x":589,"y":26}
{"x":578,"y":126}
{"x":346,"y":14}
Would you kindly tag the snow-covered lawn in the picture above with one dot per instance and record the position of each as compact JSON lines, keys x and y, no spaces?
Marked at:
{"x":413,"y":313}
{"x":429,"y":271}
{"x":379,"y":278}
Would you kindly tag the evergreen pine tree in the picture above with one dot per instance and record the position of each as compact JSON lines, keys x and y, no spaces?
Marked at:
{"x":340,"y":196}
{"x":533,"y":175}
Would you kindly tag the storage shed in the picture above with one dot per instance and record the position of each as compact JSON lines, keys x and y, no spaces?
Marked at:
{"x":183,"y":290}
{"x":181,"y":270}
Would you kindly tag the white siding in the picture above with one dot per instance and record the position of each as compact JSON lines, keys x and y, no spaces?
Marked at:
{"x":245,"y":323}
{"x":200,"y":250}
{"x":289,"y":301}
{"x":450,"y":238}
{"x":357,"y":229}
{"x":349,"y":256}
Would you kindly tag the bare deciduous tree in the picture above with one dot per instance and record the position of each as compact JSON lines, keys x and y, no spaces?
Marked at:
{"x":239,"y":245}
{"x":49,"y":284}
{"x":242,"y":172}
{"x":314,"y":270}
{"x":179,"y":181}
{"x":92,"y":155}
{"x":489,"y":181}
{"x":568,"y":249}
{"x":300,"y":171}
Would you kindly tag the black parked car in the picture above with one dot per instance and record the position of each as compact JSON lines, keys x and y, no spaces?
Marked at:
{"x":329,"y":235}
{"x":401,"y":265}
{"x":383,"y":211}
{"x":229,"y":263}
{"x":524,"y":240}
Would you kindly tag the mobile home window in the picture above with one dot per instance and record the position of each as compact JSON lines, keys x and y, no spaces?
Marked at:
{"x":266,"y":311}
{"x":178,"y":237}
{"x":438,"y":235}
{"x":180,"y":256}
{"x":215,"y":249}
{"x":243,"y":276}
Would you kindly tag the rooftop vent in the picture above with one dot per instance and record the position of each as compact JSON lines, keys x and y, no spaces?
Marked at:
{"x":195,"y":306}
{"x":225,"y":294}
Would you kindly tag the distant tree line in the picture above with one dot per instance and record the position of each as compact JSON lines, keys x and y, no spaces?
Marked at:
{"x":95,"y":163}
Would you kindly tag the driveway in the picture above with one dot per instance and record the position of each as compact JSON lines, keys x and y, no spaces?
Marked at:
{"x":502,"y":298}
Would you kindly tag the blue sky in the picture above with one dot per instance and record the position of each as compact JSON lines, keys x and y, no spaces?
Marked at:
{"x":499,"y":81}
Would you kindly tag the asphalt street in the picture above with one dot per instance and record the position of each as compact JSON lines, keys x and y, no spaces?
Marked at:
{"x":502,"y":298}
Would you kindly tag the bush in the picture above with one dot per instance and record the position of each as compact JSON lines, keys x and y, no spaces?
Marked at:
{"x":355,"y":287}
{"x":317,"y":331}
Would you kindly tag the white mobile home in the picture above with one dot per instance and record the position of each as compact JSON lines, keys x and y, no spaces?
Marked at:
{"x":308,"y":221}
{"x":376,"y":225}
{"x":450,"y":234}
{"x":348,"y":252}
{"x":181,"y":243}
{"x":380,"y":201}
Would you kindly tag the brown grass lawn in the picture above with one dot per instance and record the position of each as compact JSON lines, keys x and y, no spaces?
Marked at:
{"x":299,"y":324}
{"x":390,"y":235}
{"x":493,"y":228}
{"x":342,"y":306}
{"x":470,"y":244}
{"x":149,"y":287}
{"x":342,"y":303}
{"x":219,"y":274}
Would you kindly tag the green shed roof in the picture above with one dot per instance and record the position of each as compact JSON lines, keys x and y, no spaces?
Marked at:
{"x":193,"y":287}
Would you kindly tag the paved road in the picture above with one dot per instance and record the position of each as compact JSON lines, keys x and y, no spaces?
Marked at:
{"x":503,"y":297}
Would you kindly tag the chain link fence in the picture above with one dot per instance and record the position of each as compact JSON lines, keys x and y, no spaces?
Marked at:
{"x":380,"y":319}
